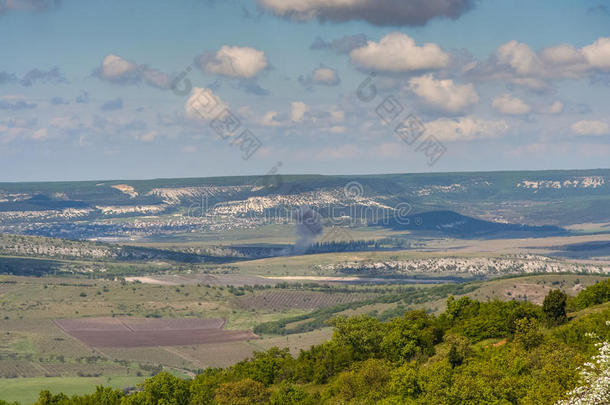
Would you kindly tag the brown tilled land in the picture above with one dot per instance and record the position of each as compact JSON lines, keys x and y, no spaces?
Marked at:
{"x":142,"y":332}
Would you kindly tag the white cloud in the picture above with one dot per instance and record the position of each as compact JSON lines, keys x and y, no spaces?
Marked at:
{"x":396,"y":52}
{"x":465,"y":129}
{"x":235,"y":61}
{"x":114,"y":67}
{"x":269,"y":119}
{"x":203,"y":104}
{"x":118,"y":70}
{"x":598,"y":53}
{"x":509,"y":105}
{"x":563,"y":54}
{"x":156,"y":78}
{"x":325,"y":76}
{"x":444,"y":94}
{"x":520,"y":57}
{"x":555,"y":108}
{"x":298,"y":109}
{"x":591,"y":128}
{"x":517,"y":63}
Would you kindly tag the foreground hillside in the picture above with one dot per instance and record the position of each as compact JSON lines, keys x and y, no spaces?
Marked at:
{"x":474,"y":352}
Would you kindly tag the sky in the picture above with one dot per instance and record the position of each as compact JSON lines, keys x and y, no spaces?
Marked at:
{"x":144,"y":89}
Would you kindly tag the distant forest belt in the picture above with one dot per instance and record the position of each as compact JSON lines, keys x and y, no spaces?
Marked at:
{"x":157,"y":332}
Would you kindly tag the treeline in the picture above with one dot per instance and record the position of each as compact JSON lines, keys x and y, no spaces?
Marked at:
{"x":358,"y":245}
{"x":593,"y":295}
{"x":475,"y":352}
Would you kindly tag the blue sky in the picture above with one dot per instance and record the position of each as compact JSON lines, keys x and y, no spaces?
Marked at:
{"x":86,"y":87}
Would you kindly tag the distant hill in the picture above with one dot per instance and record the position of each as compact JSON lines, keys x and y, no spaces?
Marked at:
{"x":453,"y":224}
{"x":488,"y":202}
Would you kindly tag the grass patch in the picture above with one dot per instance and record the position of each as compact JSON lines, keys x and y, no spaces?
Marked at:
{"x":26,"y":390}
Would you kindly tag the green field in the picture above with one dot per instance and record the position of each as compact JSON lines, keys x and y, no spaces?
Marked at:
{"x":25,"y":390}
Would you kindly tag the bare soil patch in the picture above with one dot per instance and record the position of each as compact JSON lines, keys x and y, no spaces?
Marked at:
{"x":282,"y":300}
{"x":144,"y":332}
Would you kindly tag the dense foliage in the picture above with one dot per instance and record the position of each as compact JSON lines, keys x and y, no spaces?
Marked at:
{"x":475,"y":352}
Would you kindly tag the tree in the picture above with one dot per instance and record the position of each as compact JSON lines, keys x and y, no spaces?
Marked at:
{"x":287,"y":394}
{"x":362,"y":334}
{"x":204,"y":386}
{"x":554,"y":307}
{"x":403,"y":382}
{"x":527,"y":333}
{"x":455,"y":357}
{"x":264,"y":367}
{"x":244,"y":392}
{"x":162,"y":389}
{"x":46,"y":398}
{"x":367,"y":383}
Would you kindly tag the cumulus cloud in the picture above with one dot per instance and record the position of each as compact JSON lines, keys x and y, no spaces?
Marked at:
{"x":591,"y":128}
{"x":555,"y":108}
{"x":341,"y":45}
{"x":326,"y":76}
{"x":376,"y":12}
{"x":118,"y":70}
{"x":465,"y":129}
{"x":234,"y":61}
{"x":397,"y":53}
{"x":114,"y":68}
{"x":270,"y":119}
{"x":598,"y":53}
{"x":509,"y":105}
{"x":298,"y":109}
{"x":519,"y":57}
{"x":323,"y":75}
{"x":203,"y":104}
{"x":444,"y":94}
{"x":517,"y":63}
